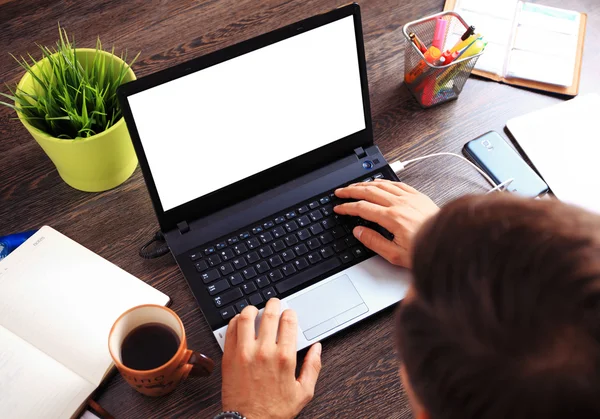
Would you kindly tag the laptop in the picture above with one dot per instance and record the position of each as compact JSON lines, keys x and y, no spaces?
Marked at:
{"x":242,"y":150}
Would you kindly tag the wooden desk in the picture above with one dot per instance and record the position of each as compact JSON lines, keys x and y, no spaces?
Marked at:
{"x":359,"y":375}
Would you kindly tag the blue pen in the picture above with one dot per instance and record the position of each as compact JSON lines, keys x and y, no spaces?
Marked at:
{"x":12,"y":241}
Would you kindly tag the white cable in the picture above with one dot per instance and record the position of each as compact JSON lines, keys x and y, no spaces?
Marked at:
{"x":502,"y":185}
{"x":398,"y":166}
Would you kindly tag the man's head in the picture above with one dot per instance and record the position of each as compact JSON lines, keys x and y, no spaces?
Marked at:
{"x":503,"y":320}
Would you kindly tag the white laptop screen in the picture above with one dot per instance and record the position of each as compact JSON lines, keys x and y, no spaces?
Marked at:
{"x":214,"y":127}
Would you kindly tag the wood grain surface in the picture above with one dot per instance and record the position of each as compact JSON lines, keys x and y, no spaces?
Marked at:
{"x":359,"y":377}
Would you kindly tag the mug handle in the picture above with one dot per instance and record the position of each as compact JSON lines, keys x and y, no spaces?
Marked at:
{"x":199,"y":365}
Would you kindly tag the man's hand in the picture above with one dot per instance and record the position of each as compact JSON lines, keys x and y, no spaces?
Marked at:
{"x":259,"y":378}
{"x":396,"y":207}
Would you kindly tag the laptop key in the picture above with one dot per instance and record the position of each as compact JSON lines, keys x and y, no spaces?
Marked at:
{"x":269,"y":293}
{"x":195,"y":256}
{"x":291,"y":226}
{"x":291,"y":240}
{"x":288,"y":255}
{"x":324,"y":200}
{"x":210,"y":276}
{"x":326,"y":238}
{"x":338,"y":232}
{"x":288,"y":269}
{"x":313,"y":243}
{"x":262,"y":267}
{"x":240,"y":305}
{"x":316,"y":215}
{"x":346,"y":257}
{"x":303,"y":234}
{"x":228,"y":297}
{"x":326,"y":252}
{"x":226,"y":254}
{"x":262,"y":281}
{"x":303,"y":221}
{"x":253,"y":243}
{"x":313,"y":205}
{"x":378,"y":176}
{"x":316,"y":229}
{"x":245,"y":235}
{"x":252,"y":257}
{"x":351,"y":240}
{"x":307,"y":275}
{"x":249,"y":287}
{"x":339,"y":246}
{"x":275,"y":275}
{"x":249,"y":273}
{"x":290,"y":215}
{"x":226,"y":269}
{"x":221,"y":246}
{"x":278,"y":232}
{"x":201,"y":266}
{"x":327,"y":210}
{"x":275,"y":261}
{"x":314,"y":258}
{"x":300,"y":263}
{"x":300,"y":249}
{"x":232,"y":240}
{"x":257,"y":229}
{"x":218,"y":287}
{"x":278,"y":246}
{"x":239,"y":263}
{"x":279,"y":220}
{"x":358,"y":252}
{"x":265,"y":237}
{"x":302,"y":209}
{"x":235,"y":279}
{"x":255,"y":299}
{"x":265,"y":252}
{"x":240,"y":248}
{"x":227,"y":313}
{"x":328,"y":223}
{"x":214,"y":260}
{"x":209,"y":251}
{"x":268,"y":225}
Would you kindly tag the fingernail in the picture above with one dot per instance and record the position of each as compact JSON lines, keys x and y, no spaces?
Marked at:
{"x":358,"y":231}
{"x":319,"y":348}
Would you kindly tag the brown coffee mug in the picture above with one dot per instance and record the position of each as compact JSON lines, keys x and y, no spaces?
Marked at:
{"x":164,"y":378}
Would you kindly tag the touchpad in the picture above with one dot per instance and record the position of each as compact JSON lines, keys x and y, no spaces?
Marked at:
{"x":328,"y":306}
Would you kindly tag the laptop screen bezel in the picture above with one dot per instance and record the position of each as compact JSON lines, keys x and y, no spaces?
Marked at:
{"x":274,"y":176}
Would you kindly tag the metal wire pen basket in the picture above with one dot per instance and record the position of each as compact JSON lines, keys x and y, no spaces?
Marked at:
{"x":432,"y":84}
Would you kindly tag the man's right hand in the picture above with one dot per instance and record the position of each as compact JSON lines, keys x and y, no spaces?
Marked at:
{"x":395,"y":206}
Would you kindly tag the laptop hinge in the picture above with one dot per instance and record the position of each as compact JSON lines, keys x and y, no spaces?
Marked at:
{"x":183,"y":227}
{"x":360,"y":153}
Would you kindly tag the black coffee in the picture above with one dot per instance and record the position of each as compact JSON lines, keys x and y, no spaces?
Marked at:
{"x":149,"y":346}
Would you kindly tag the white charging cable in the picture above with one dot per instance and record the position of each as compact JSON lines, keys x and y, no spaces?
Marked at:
{"x":399,"y":166}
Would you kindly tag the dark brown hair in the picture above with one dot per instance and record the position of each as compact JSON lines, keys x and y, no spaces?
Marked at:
{"x":505,"y":320}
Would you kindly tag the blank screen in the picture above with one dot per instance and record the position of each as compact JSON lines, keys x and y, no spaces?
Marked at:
{"x":212,"y":128}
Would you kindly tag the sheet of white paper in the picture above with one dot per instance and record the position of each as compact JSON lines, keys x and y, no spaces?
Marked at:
{"x":549,"y":19}
{"x":63,"y":299}
{"x":541,"y":67}
{"x":502,"y":8}
{"x":33,"y":385}
{"x":563,"y":143}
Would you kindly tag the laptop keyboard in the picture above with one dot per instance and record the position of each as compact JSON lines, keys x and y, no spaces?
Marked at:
{"x":278,"y":256}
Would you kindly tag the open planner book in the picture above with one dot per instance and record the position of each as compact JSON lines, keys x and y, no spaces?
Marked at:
{"x":529,"y":45}
{"x":58,"y":302}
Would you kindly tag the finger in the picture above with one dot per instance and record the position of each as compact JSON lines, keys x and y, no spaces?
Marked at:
{"x":401,"y":185}
{"x":309,"y":373}
{"x":390,"y":251}
{"x":390,"y":187}
{"x":367,"y":211}
{"x":246,"y":331}
{"x":269,"y":321}
{"x":368,"y":193}
{"x":231,"y":336}
{"x":288,"y":332}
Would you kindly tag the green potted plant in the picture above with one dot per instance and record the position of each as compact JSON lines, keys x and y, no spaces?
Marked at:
{"x":68,"y":103}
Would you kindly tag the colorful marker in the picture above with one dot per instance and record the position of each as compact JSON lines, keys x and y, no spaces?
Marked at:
{"x":431,"y":55}
{"x":439,"y":33}
{"x":415,"y":39}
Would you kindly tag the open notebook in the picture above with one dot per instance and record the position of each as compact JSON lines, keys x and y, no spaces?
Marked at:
{"x":529,"y":44}
{"x":58,"y":301}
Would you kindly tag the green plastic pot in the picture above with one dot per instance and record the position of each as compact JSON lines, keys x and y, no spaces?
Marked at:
{"x":92,"y":164}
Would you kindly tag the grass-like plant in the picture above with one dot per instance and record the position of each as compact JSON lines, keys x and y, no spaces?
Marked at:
{"x":72,"y":98}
